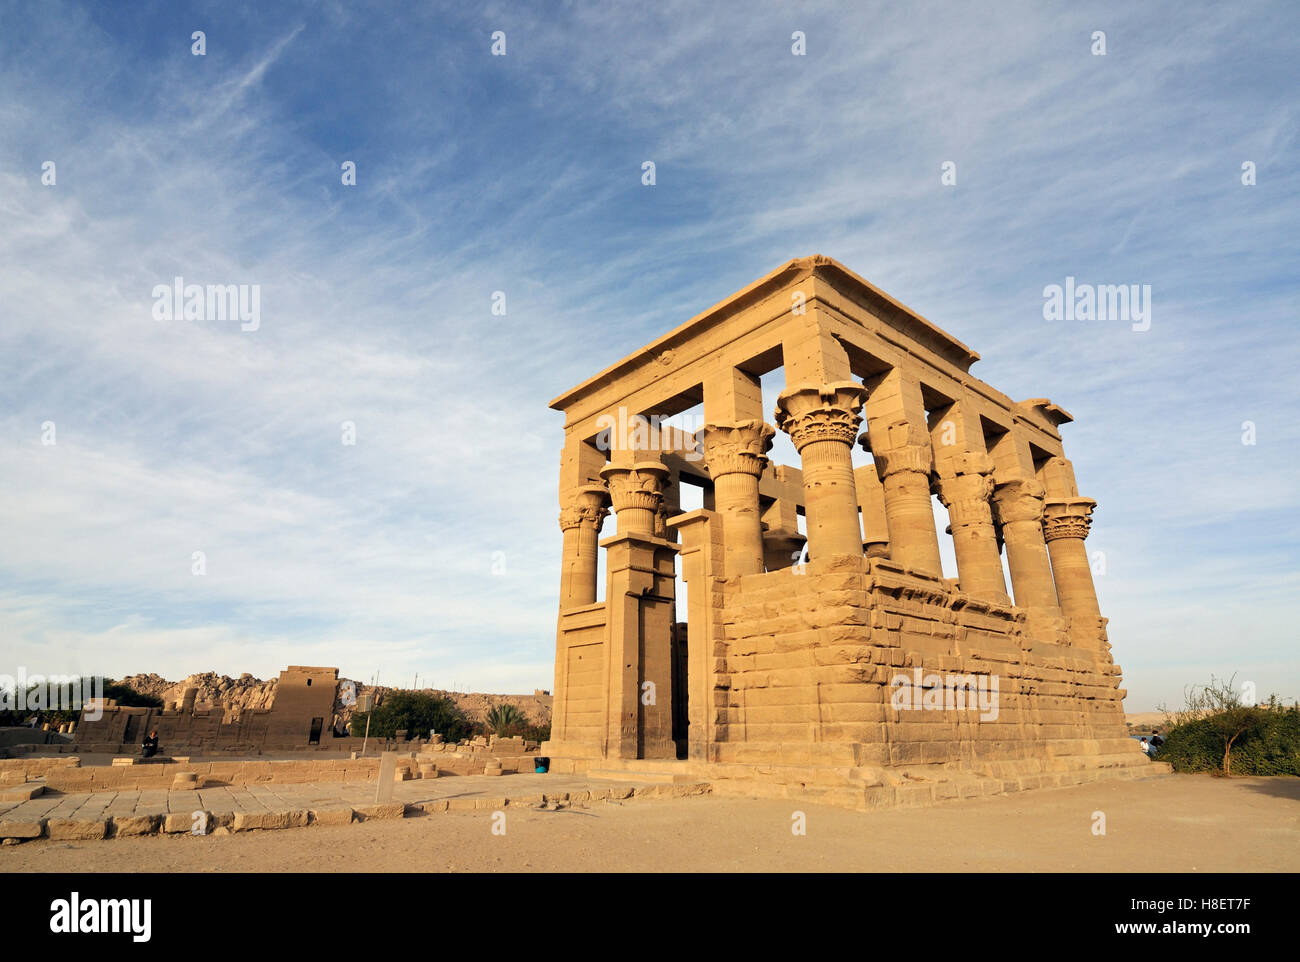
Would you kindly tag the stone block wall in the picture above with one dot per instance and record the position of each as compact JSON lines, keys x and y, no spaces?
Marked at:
{"x":812,"y":657}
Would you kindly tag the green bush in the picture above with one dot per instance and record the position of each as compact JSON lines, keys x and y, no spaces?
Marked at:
{"x":536,"y":733}
{"x":416,"y":712}
{"x":1269,"y":743}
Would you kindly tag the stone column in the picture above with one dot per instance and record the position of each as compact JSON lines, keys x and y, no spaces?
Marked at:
{"x":871,"y":500}
{"x":822,"y":423}
{"x":736,"y":455}
{"x":581,"y":522}
{"x":1065,"y":526}
{"x":1019,"y":508}
{"x":966,"y":496}
{"x":905,"y":475}
{"x":636,"y":491}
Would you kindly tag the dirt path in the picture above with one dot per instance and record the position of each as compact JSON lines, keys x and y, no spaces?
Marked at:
{"x":1178,"y":824}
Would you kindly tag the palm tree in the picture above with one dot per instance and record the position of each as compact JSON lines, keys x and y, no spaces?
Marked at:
{"x":501,"y":718}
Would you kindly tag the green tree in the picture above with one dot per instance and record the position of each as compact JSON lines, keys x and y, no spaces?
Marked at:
{"x":128,"y":697}
{"x":417,"y":713}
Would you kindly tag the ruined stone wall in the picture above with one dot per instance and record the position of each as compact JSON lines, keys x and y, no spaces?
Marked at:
{"x":199,"y":732}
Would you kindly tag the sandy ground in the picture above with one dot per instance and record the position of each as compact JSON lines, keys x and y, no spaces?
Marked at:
{"x":1184,"y":823}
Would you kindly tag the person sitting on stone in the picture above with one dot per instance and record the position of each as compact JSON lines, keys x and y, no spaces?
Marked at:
{"x":149,"y":748}
{"x":1145,"y":747}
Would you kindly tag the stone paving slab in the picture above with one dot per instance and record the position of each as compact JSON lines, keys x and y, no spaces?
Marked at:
{"x":269,"y":806}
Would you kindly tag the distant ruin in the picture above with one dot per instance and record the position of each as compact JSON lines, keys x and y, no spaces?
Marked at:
{"x":303,"y":715}
{"x":305,"y":709}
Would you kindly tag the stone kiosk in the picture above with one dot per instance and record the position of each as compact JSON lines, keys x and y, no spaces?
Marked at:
{"x":837,"y":660}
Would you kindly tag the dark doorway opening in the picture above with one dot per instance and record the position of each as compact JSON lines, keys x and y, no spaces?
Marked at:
{"x":681,"y":713}
{"x":316,"y":725}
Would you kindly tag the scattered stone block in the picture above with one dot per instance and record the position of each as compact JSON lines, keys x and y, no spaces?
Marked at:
{"x":251,"y":821}
{"x":27,"y":828}
{"x":381,"y":810}
{"x":331,"y":816}
{"x":176,"y":823}
{"x":22,"y":793}
{"x":76,"y":829}
{"x":126,"y":826}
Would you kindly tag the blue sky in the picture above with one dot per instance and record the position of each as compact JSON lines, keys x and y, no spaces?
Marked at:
{"x":522,"y":174}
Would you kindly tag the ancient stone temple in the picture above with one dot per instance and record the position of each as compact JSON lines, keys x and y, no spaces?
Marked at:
{"x":819,"y":645}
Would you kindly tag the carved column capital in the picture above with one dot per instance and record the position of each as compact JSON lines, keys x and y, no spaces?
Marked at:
{"x":826,"y":413}
{"x":736,"y":448}
{"x":1019,"y":500}
{"x":638,"y":486}
{"x":589,"y":505}
{"x":966,"y":496}
{"x":914,"y":458}
{"x":1067,"y":518}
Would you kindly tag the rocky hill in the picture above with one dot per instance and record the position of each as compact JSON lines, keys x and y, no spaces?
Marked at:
{"x":236,"y":695}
